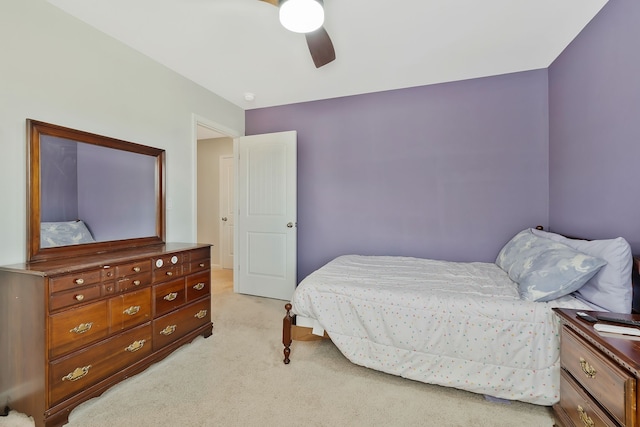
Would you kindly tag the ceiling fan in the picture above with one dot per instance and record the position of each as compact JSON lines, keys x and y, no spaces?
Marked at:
{"x":318,"y":41}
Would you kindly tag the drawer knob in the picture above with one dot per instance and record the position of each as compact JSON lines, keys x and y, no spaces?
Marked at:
{"x":171,"y":296}
{"x":199,"y":286}
{"x":168,"y":330}
{"x":200,"y":314}
{"x":136,"y":283}
{"x":134,"y":309}
{"x":79,"y":281}
{"x":169,"y":273}
{"x":586,"y":419}
{"x":588,"y":370}
{"x":136,"y":269}
{"x":201,"y":265}
{"x":79,"y":297}
{"x":135,"y":346}
{"x":77,"y":374}
{"x":81,"y":328}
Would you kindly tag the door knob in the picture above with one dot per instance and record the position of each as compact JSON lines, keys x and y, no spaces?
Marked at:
{"x":224,"y":218}
{"x":290,"y":225}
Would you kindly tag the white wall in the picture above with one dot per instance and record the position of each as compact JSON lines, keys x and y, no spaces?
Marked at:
{"x":56,"y":69}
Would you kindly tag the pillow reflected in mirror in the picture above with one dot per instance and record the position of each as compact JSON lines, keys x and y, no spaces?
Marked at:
{"x":64,"y":233}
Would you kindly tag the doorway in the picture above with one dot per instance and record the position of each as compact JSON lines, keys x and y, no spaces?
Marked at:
{"x":211,"y":141}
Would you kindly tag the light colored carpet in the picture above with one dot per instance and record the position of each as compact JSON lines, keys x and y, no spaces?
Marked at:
{"x":236,"y":378}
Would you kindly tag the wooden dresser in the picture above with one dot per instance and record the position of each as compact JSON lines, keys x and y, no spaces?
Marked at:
{"x":72,"y":328}
{"x":599,"y":375}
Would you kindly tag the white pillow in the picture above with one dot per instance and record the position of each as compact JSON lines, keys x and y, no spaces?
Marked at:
{"x":611,"y":287}
{"x":545,"y":269}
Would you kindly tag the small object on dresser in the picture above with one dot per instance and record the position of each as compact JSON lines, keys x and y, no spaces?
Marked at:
{"x":584,"y":316}
{"x":624,"y":330}
{"x":613,"y":319}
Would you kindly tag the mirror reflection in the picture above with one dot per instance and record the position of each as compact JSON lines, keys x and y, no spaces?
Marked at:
{"x":91,"y":193}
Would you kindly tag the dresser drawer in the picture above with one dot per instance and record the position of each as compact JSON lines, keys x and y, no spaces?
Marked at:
{"x":133,"y":275}
{"x":200,"y":265}
{"x":80,"y":370}
{"x":199,"y":260}
{"x":198,"y":285}
{"x":133,"y":268}
{"x":578,"y":406}
{"x":168,"y":296}
{"x":72,"y":329}
{"x":65,"y":299}
{"x":130,"y":309}
{"x":75,"y":280}
{"x":170,"y":327}
{"x":606,"y":382}
{"x":134,"y":281}
{"x":166,"y":273}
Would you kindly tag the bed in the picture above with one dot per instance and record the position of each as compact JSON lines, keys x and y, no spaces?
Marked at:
{"x":482,"y":327}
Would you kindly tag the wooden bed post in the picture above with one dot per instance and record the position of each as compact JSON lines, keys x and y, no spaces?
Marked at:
{"x":286,"y":333}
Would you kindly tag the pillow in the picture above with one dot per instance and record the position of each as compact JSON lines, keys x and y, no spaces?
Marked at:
{"x":64,"y":233}
{"x":611,"y":287}
{"x":545,"y":269}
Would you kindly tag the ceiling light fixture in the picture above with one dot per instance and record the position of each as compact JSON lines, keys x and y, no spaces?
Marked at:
{"x":301,"y":16}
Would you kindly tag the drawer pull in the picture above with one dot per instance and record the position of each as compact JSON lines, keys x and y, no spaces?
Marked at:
{"x":201,"y":265}
{"x":77,"y":374}
{"x":136,"y":283}
{"x":171,"y":296}
{"x":168,"y":330}
{"x":79,"y":281}
{"x":135,"y":346}
{"x":134,"y":309}
{"x":200,"y":314}
{"x":198,"y":286}
{"x":586,"y":419}
{"x":79,"y":297}
{"x":136,"y":269}
{"x":169,"y":273}
{"x":588,"y":370}
{"x":81,"y":328}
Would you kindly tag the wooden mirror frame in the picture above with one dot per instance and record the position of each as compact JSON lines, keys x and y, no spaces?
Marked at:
{"x":35,"y":129}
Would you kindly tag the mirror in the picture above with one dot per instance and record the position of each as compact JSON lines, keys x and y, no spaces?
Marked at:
{"x":89,"y":193}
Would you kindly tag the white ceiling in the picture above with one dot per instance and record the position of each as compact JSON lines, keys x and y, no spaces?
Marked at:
{"x":234,"y":47}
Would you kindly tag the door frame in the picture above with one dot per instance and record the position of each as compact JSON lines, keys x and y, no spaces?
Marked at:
{"x":233,"y":208}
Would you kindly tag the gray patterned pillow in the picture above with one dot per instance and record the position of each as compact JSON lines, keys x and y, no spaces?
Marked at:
{"x":64,"y":233}
{"x":544,"y":269}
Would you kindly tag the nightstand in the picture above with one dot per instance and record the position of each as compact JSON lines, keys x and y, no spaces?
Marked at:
{"x":599,"y":375}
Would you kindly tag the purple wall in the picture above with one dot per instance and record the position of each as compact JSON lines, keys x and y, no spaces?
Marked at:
{"x":448,"y":171}
{"x":594,"y":108}
{"x":116,"y":192}
{"x":58,"y":179}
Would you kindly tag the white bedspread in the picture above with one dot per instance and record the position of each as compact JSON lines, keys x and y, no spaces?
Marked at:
{"x":454,"y":324}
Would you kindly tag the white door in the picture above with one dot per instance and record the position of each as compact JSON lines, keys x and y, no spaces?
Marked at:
{"x":227,"y":217}
{"x":267,"y":215}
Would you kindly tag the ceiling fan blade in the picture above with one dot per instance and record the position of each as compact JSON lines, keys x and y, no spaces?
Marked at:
{"x":320,"y":47}
{"x":273,"y":2}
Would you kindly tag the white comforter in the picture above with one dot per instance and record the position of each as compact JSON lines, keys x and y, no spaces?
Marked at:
{"x":454,"y":324}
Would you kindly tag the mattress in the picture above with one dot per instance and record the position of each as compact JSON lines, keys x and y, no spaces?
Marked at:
{"x":454,"y":324}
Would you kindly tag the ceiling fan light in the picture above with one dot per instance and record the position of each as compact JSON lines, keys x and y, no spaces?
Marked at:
{"x":301,"y":16}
